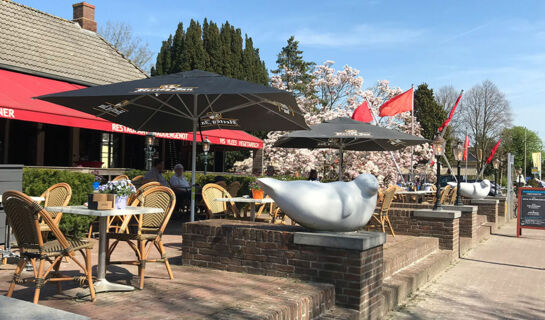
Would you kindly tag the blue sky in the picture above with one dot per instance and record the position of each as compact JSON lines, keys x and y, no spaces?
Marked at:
{"x":440,"y":42}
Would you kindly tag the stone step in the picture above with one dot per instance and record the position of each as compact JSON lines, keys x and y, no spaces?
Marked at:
{"x":481,"y":219}
{"x":403,"y":251}
{"x":401,"y":285}
{"x":287,"y":303}
{"x":482,"y":234}
{"x":338,"y":313}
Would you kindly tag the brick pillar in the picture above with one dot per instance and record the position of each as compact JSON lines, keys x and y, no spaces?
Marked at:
{"x":488,"y":208}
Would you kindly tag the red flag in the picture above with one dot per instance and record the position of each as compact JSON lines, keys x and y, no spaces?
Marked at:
{"x":445,"y":124}
{"x":466,"y":146}
{"x":362,"y":113}
{"x":398,"y":104}
{"x":492,"y":152}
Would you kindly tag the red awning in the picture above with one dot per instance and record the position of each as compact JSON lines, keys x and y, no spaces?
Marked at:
{"x":17,"y":90}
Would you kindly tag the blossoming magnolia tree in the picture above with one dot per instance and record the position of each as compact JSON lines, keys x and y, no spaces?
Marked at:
{"x":333,"y":94}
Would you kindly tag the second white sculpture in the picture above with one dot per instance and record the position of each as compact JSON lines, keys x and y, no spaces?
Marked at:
{"x":334,"y":206}
{"x":474,"y":190}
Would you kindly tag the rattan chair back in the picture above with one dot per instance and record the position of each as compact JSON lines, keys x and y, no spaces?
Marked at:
{"x":58,"y":195}
{"x":452,"y":197}
{"x":133,"y":199}
{"x":157,"y":197}
{"x":389,"y":195}
{"x":121,"y":177}
{"x":213,"y":191}
{"x":23,"y":217}
{"x":233,"y":188}
{"x":445,"y":193}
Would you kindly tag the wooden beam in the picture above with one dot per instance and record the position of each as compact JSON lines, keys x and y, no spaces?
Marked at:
{"x":74,"y":145}
{"x":40,"y":144}
{"x":6,"y":141}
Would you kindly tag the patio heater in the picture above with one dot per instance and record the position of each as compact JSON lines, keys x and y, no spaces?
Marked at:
{"x":496,"y":164}
{"x":458,"y":156}
{"x":149,"y":149}
{"x":439,"y":149}
{"x":205,"y":149}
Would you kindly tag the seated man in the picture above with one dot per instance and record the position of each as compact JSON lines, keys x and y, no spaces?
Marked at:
{"x":181,"y":187}
{"x":155,"y":173}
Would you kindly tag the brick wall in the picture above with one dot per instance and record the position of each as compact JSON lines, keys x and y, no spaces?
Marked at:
{"x":265,"y":249}
{"x":447,"y":230}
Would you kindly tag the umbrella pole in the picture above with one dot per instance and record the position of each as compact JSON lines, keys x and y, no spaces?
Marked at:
{"x":341,"y":163}
{"x":193,"y":161}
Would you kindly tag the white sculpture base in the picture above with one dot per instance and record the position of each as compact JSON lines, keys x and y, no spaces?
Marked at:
{"x":335,"y":206}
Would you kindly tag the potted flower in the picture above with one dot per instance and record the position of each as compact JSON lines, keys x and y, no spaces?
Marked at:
{"x":122,"y":190}
{"x":257,"y":192}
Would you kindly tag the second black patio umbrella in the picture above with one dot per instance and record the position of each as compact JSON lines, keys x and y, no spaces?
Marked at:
{"x":186,"y":101}
{"x":347,"y":134}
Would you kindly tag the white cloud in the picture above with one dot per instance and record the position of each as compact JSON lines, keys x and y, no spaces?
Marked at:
{"x":358,"y":36}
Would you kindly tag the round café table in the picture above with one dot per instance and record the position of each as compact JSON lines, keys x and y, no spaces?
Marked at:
{"x":101,"y":284}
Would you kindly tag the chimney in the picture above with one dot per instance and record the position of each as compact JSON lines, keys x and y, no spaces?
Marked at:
{"x":84,"y":14}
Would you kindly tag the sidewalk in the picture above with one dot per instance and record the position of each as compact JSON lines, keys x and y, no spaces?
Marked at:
{"x":503,"y":278}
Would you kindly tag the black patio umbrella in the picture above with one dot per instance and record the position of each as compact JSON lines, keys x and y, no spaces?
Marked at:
{"x":348,"y":134}
{"x":186,"y":101}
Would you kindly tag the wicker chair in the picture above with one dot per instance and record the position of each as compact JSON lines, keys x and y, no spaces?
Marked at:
{"x":233,"y":188}
{"x":452,"y":196}
{"x":58,"y":195}
{"x":214,"y":208}
{"x":24,"y":216}
{"x":149,"y":230}
{"x":137,"y":181}
{"x":382,"y":216}
{"x":445,"y":194}
{"x":121,"y":177}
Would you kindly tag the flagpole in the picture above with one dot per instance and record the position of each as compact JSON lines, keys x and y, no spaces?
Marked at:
{"x":467,"y":156}
{"x":391,"y":152}
{"x":412,"y":132}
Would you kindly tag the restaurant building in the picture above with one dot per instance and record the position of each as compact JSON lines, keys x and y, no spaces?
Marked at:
{"x":40,"y":54}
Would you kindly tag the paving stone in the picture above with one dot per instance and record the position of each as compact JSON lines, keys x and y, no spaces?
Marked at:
{"x":503,"y":278}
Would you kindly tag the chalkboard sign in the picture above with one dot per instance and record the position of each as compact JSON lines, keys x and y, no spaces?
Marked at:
{"x":531,"y":213}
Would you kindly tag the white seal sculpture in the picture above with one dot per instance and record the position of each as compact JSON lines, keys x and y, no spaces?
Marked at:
{"x":334,"y":206}
{"x":474,"y":190}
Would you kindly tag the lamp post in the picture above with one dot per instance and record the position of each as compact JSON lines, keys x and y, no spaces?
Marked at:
{"x":439,"y":148}
{"x":458,"y":156}
{"x":205,"y":149}
{"x":496,"y":164}
{"x":149,"y":149}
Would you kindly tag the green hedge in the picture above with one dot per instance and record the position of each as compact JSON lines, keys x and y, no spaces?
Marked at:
{"x":36,"y":181}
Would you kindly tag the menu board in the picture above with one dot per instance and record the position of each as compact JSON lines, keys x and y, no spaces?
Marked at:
{"x":531,"y":209}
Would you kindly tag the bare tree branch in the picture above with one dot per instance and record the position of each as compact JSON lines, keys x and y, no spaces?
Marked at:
{"x":121,"y":36}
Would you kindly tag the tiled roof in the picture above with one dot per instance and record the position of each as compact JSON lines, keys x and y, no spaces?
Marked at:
{"x":40,"y":43}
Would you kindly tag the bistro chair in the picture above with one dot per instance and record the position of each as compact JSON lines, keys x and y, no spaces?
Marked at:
{"x":24,"y":216}
{"x":214,"y":208}
{"x":121,"y":177}
{"x":138,"y":181}
{"x":452,"y":196}
{"x":445,"y":194}
{"x":149,"y":230}
{"x":58,"y":195}
{"x":382,"y":216}
{"x":233,"y":188}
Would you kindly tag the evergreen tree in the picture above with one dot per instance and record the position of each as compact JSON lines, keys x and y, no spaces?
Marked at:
{"x":212,"y":45}
{"x":194,"y":55}
{"x":431,"y":116}
{"x":290,"y":59}
{"x":177,"y":49}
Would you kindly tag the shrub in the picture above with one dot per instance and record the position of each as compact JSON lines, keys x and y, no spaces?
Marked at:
{"x":36,"y":181}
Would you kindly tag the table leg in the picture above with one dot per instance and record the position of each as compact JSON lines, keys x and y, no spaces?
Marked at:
{"x":252,"y":211}
{"x":101,"y":284}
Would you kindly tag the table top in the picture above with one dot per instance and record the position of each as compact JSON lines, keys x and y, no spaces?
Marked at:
{"x":84,"y":211}
{"x":246,"y":200}
{"x":33,"y":198}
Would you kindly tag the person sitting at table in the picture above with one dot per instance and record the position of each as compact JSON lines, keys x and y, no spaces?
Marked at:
{"x":155,"y":173}
{"x":313,"y":175}
{"x":180,"y":186}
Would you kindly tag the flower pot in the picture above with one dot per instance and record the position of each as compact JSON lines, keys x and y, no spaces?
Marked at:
{"x":121,"y":202}
{"x":258,"y":194}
